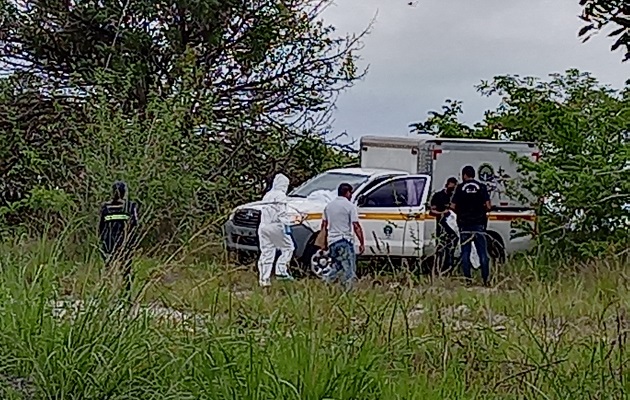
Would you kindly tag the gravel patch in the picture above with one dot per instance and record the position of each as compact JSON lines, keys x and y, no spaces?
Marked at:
{"x":22,"y":386}
{"x":70,"y":309}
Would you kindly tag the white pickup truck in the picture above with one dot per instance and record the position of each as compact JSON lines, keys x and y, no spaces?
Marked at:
{"x":392,"y":189}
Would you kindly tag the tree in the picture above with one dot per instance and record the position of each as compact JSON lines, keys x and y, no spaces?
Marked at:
{"x":194,"y":103}
{"x":37,"y":143}
{"x":582,"y":129}
{"x":269,"y":57}
{"x":599,"y":14}
{"x":446,"y":124}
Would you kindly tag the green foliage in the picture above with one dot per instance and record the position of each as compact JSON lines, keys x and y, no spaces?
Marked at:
{"x":582,"y":128}
{"x":65,"y":335}
{"x":446,"y":124}
{"x":275,"y":57}
{"x":599,"y":14}
{"x":36,"y":146}
{"x":312,"y":155}
{"x":194,"y":104}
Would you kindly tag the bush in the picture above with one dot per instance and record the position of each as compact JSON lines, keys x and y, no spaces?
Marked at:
{"x":581,"y":126}
{"x":195,"y":119}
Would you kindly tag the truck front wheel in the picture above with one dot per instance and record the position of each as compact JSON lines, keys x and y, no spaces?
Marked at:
{"x":303,"y":264}
{"x":496,"y":248}
{"x":242,"y":258}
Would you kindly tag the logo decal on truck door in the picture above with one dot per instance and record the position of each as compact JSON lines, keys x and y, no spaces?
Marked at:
{"x":495,"y":182}
{"x":388,"y":230}
{"x":486,"y":173}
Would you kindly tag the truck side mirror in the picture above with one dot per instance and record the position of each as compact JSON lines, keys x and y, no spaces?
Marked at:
{"x":361,"y":200}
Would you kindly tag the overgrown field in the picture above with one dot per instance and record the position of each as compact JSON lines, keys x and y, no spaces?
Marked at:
{"x":533,"y":336}
{"x":196,"y":105}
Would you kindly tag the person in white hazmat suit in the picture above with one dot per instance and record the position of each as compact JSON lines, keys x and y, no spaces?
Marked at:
{"x":274,"y":233}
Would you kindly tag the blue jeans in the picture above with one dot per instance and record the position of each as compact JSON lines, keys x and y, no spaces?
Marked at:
{"x":344,"y":260}
{"x":474,"y":234}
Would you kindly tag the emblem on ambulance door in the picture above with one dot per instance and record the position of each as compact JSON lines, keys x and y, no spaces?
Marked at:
{"x":486,"y":173}
{"x":388,"y":230}
{"x":495,"y":181}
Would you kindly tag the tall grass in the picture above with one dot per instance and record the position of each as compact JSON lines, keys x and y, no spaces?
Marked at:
{"x":530,"y":338}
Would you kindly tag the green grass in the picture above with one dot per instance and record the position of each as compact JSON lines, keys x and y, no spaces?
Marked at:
{"x":531,"y":337}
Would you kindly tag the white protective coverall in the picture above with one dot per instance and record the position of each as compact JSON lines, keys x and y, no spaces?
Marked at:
{"x":271,"y":232}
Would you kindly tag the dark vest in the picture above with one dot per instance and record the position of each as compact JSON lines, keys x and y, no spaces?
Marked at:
{"x":116,"y":227}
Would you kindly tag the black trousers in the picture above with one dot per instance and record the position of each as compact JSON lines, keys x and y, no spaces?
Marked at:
{"x":447,"y":240}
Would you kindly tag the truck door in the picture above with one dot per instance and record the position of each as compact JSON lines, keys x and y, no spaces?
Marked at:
{"x":392,"y":215}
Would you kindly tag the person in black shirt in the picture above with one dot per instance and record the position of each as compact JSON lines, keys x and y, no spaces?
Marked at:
{"x":471,"y":203}
{"x":446,"y":237}
{"x":117,"y":231}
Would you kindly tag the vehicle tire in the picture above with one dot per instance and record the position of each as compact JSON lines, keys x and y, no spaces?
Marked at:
{"x":429,"y":267}
{"x":413,"y":265}
{"x":496,"y":248}
{"x":242,"y":258}
{"x":302,"y":267}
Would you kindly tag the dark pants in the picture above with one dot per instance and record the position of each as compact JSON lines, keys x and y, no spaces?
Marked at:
{"x":475,"y":234}
{"x":122,"y":257}
{"x":446,"y":245}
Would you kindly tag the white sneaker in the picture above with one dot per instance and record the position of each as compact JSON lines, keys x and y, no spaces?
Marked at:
{"x":264,"y":283}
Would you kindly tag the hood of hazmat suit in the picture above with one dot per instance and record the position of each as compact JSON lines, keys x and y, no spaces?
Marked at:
{"x":275,"y":203}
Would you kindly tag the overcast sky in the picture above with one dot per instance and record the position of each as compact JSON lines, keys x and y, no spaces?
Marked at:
{"x":437,"y":49}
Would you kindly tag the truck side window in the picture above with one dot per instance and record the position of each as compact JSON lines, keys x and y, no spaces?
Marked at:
{"x":375,"y":183}
{"x":399,"y":193}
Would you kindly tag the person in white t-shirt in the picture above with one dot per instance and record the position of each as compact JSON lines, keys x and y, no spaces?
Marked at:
{"x":340,"y":223}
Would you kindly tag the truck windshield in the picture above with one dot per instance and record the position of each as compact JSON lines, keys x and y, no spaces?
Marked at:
{"x":328,"y":181}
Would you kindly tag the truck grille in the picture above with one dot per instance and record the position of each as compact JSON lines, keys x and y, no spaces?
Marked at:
{"x":247,"y":218}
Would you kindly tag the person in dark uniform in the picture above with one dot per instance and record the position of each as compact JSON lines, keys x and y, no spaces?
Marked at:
{"x":117,"y":231}
{"x":471,"y":203}
{"x":446,"y":237}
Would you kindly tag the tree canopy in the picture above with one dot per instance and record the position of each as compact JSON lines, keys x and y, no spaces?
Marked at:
{"x":274,"y":57}
{"x":600,"y":14}
{"x":582,"y":129}
{"x":216,"y":95}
